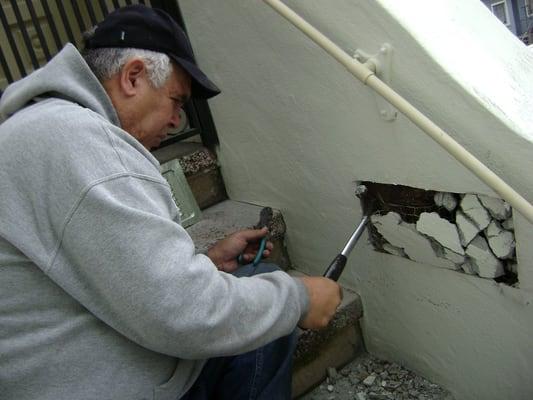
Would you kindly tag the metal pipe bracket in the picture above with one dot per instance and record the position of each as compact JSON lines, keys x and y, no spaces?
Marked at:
{"x":381,"y":64}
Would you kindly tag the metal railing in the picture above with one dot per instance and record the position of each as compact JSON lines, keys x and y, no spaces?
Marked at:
{"x":33,"y":31}
{"x":368,"y":77}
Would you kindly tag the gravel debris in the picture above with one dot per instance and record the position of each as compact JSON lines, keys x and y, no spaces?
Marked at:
{"x":369,"y":378}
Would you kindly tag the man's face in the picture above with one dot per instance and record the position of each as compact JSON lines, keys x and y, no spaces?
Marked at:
{"x":158,"y":110}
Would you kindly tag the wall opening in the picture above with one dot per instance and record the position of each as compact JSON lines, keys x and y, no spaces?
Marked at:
{"x":465,"y":232}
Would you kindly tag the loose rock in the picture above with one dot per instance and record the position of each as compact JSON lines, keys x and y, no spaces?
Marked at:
{"x":508,"y":224}
{"x":332,"y":374}
{"x":467,"y":229}
{"x":401,"y":384}
{"x":446,"y":200}
{"x":498,"y":208}
{"x":473,"y":209}
{"x":443,"y":231}
{"x":369,"y":381}
{"x":360,"y":396}
{"x":501,"y":242}
{"x":483,"y":259}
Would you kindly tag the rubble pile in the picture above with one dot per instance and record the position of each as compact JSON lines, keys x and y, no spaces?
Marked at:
{"x":373,"y":379}
{"x":473,"y":234}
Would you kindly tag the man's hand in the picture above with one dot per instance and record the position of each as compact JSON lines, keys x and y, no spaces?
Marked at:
{"x":246,"y":242}
{"x":325,"y":296}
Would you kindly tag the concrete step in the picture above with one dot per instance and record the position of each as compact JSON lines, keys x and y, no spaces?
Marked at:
{"x":333,"y":347}
{"x":229,"y":216}
{"x":201,"y":169}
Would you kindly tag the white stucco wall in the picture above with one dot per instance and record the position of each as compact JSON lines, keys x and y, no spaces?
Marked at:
{"x":297,"y":131}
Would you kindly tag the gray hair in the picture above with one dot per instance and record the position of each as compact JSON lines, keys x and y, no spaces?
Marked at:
{"x":107,"y":61}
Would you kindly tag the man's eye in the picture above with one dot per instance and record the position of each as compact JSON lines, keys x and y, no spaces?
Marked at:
{"x":177,"y":102}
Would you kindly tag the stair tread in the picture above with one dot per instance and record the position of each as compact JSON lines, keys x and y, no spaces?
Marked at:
{"x":176,"y":150}
{"x":220,"y":220}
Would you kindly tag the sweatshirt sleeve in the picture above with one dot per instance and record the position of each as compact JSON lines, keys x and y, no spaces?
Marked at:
{"x":125,"y":259}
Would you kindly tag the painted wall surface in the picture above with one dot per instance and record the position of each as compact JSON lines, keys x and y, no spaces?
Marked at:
{"x":297,"y":131}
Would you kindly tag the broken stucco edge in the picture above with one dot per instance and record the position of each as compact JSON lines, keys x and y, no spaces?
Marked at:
{"x":476,"y":243}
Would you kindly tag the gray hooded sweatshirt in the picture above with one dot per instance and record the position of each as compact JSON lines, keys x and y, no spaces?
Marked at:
{"x":101,"y":293}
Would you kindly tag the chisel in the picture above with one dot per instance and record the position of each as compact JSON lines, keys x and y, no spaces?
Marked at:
{"x":336,"y":267}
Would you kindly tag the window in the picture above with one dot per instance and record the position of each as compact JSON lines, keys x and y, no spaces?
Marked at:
{"x":528,"y":7}
{"x":499,"y":9}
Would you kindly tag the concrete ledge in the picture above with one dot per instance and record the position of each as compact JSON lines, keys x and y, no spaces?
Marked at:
{"x":230,"y":216}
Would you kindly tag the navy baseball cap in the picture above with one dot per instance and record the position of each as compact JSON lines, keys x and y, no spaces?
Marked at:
{"x":142,"y":27}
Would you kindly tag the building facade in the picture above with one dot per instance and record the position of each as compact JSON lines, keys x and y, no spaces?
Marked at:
{"x":517,"y":15}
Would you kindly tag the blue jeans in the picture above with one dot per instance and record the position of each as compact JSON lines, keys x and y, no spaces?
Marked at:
{"x":263,"y":374}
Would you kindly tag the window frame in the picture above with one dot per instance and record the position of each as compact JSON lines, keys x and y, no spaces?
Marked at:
{"x":529,"y":8}
{"x":505,"y":9}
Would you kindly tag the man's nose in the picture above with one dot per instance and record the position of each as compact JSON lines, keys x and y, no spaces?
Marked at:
{"x":175,"y":119}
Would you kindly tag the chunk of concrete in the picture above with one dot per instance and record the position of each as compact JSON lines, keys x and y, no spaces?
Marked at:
{"x":403,"y":235}
{"x":498,"y":208}
{"x":446,"y":200}
{"x":474,"y":210}
{"x":443,"y":252}
{"x":470,"y":268}
{"x":501,"y":242}
{"x":508,"y":224}
{"x":360,"y":396}
{"x":370,"y":379}
{"x":457,"y":259}
{"x":389,"y":248}
{"x":466,"y":228}
{"x":443,"y":231}
{"x":485,"y":262}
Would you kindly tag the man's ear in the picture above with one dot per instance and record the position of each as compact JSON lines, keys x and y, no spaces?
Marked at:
{"x":132,"y":76}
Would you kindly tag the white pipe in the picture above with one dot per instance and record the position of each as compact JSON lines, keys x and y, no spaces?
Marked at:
{"x":369,"y":78}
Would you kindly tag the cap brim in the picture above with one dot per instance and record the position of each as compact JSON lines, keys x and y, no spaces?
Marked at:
{"x":201,"y":86}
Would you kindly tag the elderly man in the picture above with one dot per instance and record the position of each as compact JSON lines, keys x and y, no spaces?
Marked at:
{"x":101,"y":293}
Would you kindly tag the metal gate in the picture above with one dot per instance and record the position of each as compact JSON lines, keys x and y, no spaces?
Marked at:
{"x":33,"y":31}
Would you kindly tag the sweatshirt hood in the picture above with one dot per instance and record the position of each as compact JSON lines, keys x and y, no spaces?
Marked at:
{"x":66,"y":76}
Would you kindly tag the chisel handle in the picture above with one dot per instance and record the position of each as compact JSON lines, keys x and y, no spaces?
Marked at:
{"x":336,"y":267}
